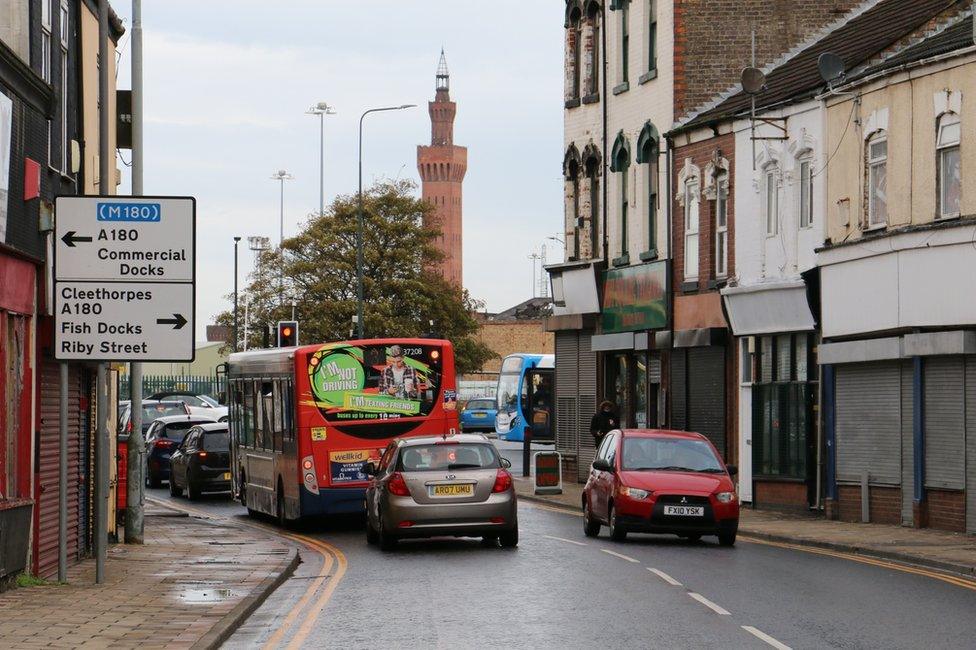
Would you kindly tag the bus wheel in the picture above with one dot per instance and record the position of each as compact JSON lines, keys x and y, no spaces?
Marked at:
{"x":280,"y":506}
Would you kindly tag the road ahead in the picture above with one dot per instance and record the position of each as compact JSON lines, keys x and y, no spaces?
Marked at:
{"x":560,"y":589}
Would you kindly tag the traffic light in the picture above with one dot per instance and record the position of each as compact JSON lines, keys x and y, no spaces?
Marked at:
{"x":287,"y":333}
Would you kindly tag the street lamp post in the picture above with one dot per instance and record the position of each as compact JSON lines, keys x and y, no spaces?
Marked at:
{"x":359,"y":233}
{"x":236,"y":241}
{"x":281,"y":176}
{"x":321,"y":109}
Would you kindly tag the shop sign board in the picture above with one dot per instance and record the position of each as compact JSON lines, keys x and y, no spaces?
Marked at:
{"x":635,"y":298}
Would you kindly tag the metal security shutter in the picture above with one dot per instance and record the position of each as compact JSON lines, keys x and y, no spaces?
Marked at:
{"x":587,"y":406}
{"x":48,"y":455}
{"x":679,"y":390}
{"x":907,"y":442}
{"x":567,"y":384}
{"x":945,"y":422}
{"x":868,"y":422}
{"x":706,"y":394}
{"x":971,"y":444}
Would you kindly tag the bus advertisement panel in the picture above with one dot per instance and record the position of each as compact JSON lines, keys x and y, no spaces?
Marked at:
{"x":350,"y":399}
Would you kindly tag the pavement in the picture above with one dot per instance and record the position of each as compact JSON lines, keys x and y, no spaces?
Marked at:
{"x":189,"y":586}
{"x":936,"y":549}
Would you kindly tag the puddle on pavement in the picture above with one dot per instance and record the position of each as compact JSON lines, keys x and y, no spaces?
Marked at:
{"x":205,"y":596}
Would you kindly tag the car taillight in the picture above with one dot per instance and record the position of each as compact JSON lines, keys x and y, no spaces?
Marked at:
{"x":202,"y":454}
{"x":503,"y":481}
{"x":162,"y":443}
{"x":397,"y":485}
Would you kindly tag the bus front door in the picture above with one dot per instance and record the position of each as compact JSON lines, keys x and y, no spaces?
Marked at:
{"x":539,"y":410}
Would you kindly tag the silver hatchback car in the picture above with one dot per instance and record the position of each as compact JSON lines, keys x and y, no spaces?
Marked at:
{"x":452,"y":485}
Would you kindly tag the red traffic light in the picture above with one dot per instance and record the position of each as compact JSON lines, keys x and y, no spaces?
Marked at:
{"x":287,"y":334}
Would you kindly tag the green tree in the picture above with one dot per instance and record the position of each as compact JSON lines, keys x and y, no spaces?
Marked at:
{"x":404,"y":295}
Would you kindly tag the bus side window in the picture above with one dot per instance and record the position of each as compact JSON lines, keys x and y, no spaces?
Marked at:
{"x":287,"y":414}
{"x":277,"y":424}
{"x":247,"y":402}
{"x":266,"y":409}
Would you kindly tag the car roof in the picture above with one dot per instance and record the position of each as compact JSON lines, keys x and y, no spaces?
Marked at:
{"x":192,"y":419}
{"x":661,"y":433}
{"x":212,"y":426}
{"x":164,"y":402}
{"x":460,"y":438}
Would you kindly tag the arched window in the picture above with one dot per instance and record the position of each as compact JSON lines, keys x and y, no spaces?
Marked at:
{"x":571,"y":173}
{"x":592,"y":164}
{"x":574,"y":48}
{"x":692,"y":201}
{"x":949,"y":166}
{"x":620,"y":165}
{"x":648,"y":150}
{"x":592,"y":46}
{"x":770,"y":190}
{"x":876,"y":154}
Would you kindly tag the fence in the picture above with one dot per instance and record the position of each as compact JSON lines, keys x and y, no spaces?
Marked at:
{"x":151,"y":384}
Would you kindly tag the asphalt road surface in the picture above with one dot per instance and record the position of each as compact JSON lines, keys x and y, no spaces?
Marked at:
{"x":561,"y":589}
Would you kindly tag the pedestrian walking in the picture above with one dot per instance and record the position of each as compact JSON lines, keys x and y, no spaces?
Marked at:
{"x":604,"y":421}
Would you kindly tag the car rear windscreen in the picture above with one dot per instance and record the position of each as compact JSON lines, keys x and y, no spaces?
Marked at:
{"x":176,"y":432}
{"x":216,"y":441}
{"x":436,"y":458}
{"x":154,"y":411}
{"x":479,"y":404}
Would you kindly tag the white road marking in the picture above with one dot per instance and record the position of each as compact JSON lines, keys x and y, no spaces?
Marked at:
{"x":664,"y":576}
{"x":759,"y":634}
{"x":622,"y":557}
{"x":568,"y":541}
{"x":721,"y":611}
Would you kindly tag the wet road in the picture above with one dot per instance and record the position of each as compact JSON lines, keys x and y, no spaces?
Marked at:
{"x":561,"y":589}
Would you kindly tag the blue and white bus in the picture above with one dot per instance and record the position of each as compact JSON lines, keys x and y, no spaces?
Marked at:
{"x":525,"y":397}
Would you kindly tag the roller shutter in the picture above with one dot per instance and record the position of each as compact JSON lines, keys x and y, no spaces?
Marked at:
{"x":587,"y":405}
{"x":868,"y":422}
{"x":679,"y":390}
{"x":945,"y":422}
{"x":48,"y":454}
{"x":567,"y":369}
{"x":706,"y":394}
{"x":971,"y":444}
{"x":907,"y":443}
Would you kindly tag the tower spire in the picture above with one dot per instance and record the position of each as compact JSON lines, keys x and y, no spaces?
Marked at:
{"x":443,"y":76}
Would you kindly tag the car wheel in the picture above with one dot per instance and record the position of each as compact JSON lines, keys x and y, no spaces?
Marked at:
{"x":489,"y":541}
{"x":372,"y":537}
{"x":387,"y":542}
{"x":617,"y":532}
{"x":192,"y":492}
{"x":152,"y":480}
{"x":591,"y":527}
{"x":509,"y":538}
{"x":727,"y":539}
{"x":173,"y":490}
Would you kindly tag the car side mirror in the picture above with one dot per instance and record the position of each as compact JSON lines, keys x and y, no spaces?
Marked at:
{"x":733,"y":470}
{"x":369,"y":469}
{"x":602,"y":465}
{"x":506,"y":463}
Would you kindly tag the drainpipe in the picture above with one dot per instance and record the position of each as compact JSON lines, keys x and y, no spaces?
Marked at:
{"x":606,"y":100}
{"x":669,"y":290}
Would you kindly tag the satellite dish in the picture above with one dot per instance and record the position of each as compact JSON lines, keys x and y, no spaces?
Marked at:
{"x":753,"y":80}
{"x":831,"y":67}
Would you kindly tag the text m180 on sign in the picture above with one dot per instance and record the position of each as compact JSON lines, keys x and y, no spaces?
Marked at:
{"x":146,"y":212}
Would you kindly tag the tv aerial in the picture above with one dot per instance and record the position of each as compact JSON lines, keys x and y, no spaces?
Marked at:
{"x":754,"y":83}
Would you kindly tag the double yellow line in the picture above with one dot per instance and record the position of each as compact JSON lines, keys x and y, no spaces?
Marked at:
{"x":928,"y":573}
{"x":331,"y":556}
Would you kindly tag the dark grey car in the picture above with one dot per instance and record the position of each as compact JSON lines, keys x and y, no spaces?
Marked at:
{"x":431,"y":486}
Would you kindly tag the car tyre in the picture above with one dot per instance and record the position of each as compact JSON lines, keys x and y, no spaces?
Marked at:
{"x":153,"y":481}
{"x":510,"y":538}
{"x":591,"y":527}
{"x":727,"y":539}
{"x":173,"y":489}
{"x":489,"y":541}
{"x":387,"y":541}
{"x":617,"y":532}
{"x":192,"y":493}
{"x":372,"y":537}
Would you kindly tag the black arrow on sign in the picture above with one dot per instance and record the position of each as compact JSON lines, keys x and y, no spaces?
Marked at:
{"x":70,"y":238}
{"x":178,"y":321}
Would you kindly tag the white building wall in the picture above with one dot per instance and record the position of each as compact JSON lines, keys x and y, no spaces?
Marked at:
{"x":758,"y":257}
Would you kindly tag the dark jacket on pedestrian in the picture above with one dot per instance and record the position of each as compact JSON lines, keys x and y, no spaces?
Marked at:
{"x":602,"y":423}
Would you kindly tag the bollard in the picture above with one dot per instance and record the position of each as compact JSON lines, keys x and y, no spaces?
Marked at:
{"x":527,"y":452}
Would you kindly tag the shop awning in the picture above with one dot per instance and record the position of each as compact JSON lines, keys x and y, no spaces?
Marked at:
{"x":768,"y":308}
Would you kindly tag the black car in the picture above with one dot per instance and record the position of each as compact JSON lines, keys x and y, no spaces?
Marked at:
{"x":162,"y":439}
{"x":201,"y":463}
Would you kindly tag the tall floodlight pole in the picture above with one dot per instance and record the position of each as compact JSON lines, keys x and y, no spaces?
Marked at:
{"x":257,"y":245}
{"x":321,"y":109}
{"x":359,"y":232}
{"x":281,"y":176}
{"x":534,"y":257}
{"x":236,"y":242}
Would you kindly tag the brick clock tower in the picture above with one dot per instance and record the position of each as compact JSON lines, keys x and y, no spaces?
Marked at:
{"x":442,"y":166}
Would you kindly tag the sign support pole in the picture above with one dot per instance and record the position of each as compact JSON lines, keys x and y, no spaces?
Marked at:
{"x":135,"y":482}
{"x":101,"y":435}
{"x":63,"y":476}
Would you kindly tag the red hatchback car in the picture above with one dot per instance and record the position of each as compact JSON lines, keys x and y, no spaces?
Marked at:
{"x":655,"y":481}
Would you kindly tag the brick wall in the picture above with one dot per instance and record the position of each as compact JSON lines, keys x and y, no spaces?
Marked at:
{"x":885,"y":504}
{"x":947,"y":510}
{"x":508,"y":337}
{"x":780,"y":495}
{"x":712,"y":39}
{"x":700,"y":154}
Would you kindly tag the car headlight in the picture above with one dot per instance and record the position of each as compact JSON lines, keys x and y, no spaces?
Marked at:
{"x":633,"y":493}
{"x":725,"y":497}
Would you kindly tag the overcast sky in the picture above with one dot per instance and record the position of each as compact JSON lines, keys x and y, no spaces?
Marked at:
{"x":227,"y":84}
